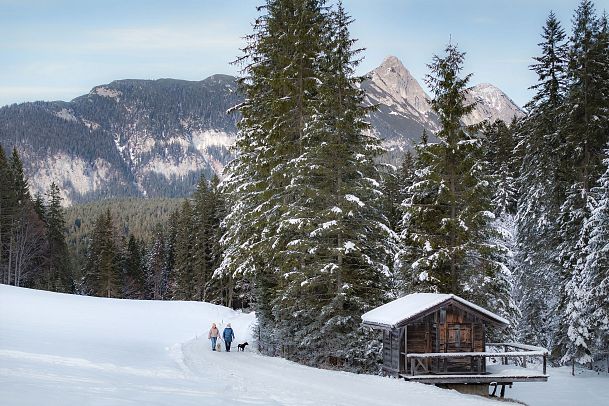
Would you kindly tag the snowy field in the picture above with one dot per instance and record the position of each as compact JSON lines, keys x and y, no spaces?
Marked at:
{"x":60,"y":349}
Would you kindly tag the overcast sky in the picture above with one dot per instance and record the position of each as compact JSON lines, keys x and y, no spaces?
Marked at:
{"x":60,"y":49}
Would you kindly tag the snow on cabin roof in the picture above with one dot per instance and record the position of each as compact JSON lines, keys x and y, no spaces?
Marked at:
{"x":407,"y":307}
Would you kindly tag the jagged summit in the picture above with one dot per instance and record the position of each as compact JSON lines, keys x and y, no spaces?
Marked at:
{"x":392,"y":61}
{"x":405,"y":109}
{"x":393,"y":78}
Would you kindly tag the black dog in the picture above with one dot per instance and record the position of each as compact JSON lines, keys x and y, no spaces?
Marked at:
{"x":241,"y":347}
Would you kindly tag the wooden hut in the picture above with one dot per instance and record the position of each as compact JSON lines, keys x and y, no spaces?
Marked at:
{"x":441,"y":339}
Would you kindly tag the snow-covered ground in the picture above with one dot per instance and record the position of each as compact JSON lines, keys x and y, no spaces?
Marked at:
{"x":562,"y":389}
{"x":60,"y":349}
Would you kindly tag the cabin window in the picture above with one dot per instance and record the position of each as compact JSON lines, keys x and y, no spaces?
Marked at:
{"x":442,"y":316}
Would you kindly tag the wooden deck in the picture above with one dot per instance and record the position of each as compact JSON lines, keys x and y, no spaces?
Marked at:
{"x":500,"y":374}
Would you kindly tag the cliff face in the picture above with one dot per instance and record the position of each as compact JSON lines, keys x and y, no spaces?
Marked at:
{"x":156,"y":137}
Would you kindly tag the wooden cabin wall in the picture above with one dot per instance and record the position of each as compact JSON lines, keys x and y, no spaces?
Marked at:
{"x":393,"y":349}
{"x":448,"y":329}
{"x":459,"y":330}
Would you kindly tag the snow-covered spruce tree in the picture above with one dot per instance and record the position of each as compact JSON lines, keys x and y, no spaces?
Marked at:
{"x":184,"y":284}
{"x":279,"y":84}
{"x":597,"y":264}
{"x":391,"y":206}
{"x":305,"y":222}
{"x":342,"y":238}
{"x":499,"y":153}
{"x":102,"y":273}
{"x":403,"y":275}
{"x":540,"y":190}
{"x":450,"y":213}
{"x":396,"y":184}
{"x":588,"y":305}
{"x":585,"y":131}
{"x":499,"y":146}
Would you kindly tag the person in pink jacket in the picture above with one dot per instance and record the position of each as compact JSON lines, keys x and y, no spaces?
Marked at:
{"x":213,"y":335}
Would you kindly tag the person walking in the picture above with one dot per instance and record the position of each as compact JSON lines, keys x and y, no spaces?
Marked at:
{"x":228,"y":335}
{"x":213,"y":335}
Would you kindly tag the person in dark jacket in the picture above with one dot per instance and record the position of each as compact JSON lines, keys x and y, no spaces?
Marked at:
{"x":228,"y":335}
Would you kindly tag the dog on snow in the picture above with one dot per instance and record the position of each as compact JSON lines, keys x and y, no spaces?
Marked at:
{"x":241,"y":347}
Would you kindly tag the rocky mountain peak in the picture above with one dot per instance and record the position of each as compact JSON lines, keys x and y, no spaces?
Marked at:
{"x":491,"y":104}
{"x":393,"y":78}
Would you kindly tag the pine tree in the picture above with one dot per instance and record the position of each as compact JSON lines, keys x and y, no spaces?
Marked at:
{"x":8,"y":208}
{"x":39,"y":205}
{"x":499,"y":147}
{"x":59,"y":274}
{"x":341,"y":243}
{"x":587,"y":303}
{"x":403,"y":277}
{"x":22,"y":232}
{"x":203,"y":238}
{"x":222,"y":289}
{"x":110,"y":259}
{"x":450,"y":210}
{"x":596,"y":268}
{"x":394,"y":180}
{"x":134,"y":276}
{"x":279,"y":86}
{"x":103,"y":275}
{"x":185,"y":286}
{"x":20,"y":181}
{"x":156,"y":267}
{"x":540,"y":188}
{"x":585,"y":132}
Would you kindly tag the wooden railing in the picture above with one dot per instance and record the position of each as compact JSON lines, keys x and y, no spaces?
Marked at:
{"x":526,"y":350}
{"x":417,"y":359}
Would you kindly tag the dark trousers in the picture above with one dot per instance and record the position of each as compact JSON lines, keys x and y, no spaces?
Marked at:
{"x":227,"y":344}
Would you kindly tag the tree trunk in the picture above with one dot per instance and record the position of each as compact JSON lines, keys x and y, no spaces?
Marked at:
{"x":10,"y":258}
{"x":573,"y":367}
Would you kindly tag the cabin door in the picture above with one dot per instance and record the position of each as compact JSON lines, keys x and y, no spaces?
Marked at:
{"x":459,"y":338}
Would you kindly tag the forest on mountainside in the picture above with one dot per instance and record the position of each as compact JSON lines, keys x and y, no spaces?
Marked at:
{"x":310,"y":230}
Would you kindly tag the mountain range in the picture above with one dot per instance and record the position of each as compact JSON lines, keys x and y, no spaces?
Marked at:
{"x":155,"y":137}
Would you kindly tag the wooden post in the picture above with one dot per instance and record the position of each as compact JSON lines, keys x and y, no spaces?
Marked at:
{"x":412,"y":365}
{"x":545,"y":356}
{"x":405,"y":346}
{"x":524,"y":361}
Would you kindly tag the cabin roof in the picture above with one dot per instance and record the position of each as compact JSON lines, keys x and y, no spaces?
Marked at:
{"x":416,"y":304}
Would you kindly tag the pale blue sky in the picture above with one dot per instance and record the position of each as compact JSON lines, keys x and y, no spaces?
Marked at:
{"x":57,"y":50}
